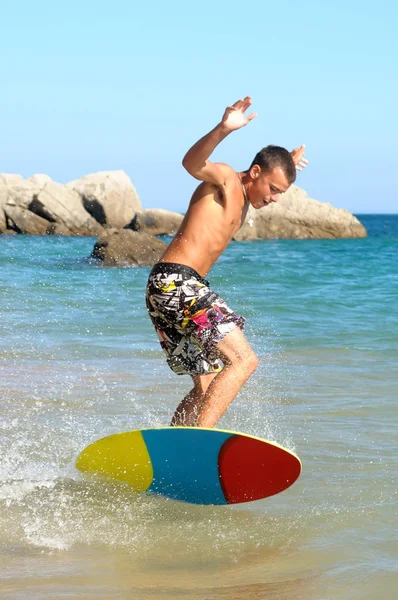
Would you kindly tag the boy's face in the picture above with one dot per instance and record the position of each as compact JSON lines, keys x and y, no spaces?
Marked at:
{"x":266,"y":187}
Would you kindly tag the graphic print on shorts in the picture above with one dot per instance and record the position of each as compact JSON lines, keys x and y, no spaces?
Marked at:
{"x":189,"y":318}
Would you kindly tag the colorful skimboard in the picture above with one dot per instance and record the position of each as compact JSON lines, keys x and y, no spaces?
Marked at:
{"x":201,"y":466}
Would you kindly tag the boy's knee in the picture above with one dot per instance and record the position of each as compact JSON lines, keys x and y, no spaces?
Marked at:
{"x":252,"y":362}
{"x":247,"y":362}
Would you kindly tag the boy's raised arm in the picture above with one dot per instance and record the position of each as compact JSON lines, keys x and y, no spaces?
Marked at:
{"x":196,"y":159}
{"x":298,"y":158}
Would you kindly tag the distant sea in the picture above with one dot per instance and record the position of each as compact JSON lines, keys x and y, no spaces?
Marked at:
{"x":79,"y":360}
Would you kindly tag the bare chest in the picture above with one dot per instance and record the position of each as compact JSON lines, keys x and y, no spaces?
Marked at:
{"x":233,"y":207}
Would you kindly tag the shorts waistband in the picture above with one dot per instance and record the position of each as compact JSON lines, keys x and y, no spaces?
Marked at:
{"x":169,"y":267}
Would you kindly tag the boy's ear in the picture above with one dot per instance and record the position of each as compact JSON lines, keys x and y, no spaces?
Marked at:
{"x":255,"y":171}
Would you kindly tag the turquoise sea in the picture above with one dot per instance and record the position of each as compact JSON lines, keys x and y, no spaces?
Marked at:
{"x":79,"y":360}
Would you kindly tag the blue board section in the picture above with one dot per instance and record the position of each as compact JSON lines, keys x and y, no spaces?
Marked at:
{"x":185,"y":466}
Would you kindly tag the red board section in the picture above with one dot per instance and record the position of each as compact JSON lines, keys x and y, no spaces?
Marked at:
{"x":251,"y":469}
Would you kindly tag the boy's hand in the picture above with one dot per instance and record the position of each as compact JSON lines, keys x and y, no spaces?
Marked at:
{"x":298,"y":158}
{"x":234,"y":116}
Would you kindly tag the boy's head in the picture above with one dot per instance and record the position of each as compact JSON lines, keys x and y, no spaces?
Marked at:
{"x":271,"y":173}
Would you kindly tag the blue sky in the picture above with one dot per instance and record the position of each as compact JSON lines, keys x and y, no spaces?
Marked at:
{"x":90,"y":86}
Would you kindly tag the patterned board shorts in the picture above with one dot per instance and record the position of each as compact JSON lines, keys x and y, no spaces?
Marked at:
{"x":189,"y":318}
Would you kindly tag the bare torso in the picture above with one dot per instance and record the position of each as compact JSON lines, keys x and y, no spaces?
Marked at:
{"x":214,"y":215}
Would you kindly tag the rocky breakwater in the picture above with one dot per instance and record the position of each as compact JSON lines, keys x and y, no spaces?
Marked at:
{"x":106,"y":205}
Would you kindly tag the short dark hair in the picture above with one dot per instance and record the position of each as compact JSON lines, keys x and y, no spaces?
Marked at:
{"x":274,"y":157}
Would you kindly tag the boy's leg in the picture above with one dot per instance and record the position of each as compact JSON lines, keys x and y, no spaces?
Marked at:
{"x":240,"y":362}
{"x":187,"y":411}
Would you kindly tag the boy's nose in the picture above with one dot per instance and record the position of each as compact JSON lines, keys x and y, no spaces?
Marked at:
{"x":275,"y":197}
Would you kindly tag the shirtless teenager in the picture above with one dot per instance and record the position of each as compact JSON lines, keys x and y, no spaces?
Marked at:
{"x":199,"y":333}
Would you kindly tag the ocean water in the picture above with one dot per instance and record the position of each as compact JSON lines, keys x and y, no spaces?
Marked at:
{"x":79,"y":360}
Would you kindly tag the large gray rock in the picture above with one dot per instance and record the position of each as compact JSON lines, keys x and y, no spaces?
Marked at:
{"x":109,"y":196}
{"x":157,"y":221}
{"x":22,"y":195}
{"x":3,"y":200}
{"x":122,"y":247}
{"x":20,"y":209}
{"x":39,"y":179}
{"x":38,"y":206}
{"x":63,"y":206}
{"x":296,"y":216}
{"x":20,"y":220}
{"x":7,"y":180}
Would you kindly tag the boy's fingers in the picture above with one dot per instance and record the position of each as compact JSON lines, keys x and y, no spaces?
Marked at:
{"x":243,"y":102}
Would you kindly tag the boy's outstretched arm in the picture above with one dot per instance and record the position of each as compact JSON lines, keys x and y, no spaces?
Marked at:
{"x":196,"y":159}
